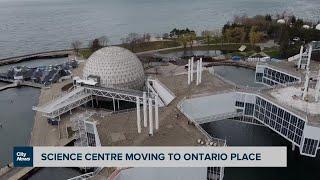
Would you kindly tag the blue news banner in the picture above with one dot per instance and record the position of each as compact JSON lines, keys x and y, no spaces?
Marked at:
{"x":146,"y":156}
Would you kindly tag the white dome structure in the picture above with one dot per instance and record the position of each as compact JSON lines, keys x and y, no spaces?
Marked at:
{"x":116,"y":67}
{"x":281,"y":21}
{"x":318,"y":27}
{"x":306,"y":26}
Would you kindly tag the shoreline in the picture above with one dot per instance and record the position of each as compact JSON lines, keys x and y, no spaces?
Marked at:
{"x":66,"y":52}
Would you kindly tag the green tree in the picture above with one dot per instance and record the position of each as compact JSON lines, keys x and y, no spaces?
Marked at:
{"x":183,"y":40}
{"x":207,"y":35}
{"x":255,"y":36}
{"x":235,"y":35}
{"x":191,"y":38}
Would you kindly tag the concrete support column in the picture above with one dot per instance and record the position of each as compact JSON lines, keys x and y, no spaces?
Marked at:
{"x":138,"y":115}
{"x":191,"y":69}
{"x":300,"y":58}
{"x":317,"y":95}
{"x":198,"y":72}
{"x":59,"y":127}
{"x":156,"y":111}
{"x":306,"y":85}
{"x":309,"y":56}
{"x":293,"y":147}
{"x":150,"y":117}
{"x":118,"y":105}
{"x":200,"y":80}
{"x":145,"y":116}
{"x":114,"y":105}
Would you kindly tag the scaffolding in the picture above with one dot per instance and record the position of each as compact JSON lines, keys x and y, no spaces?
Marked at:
{"x":79,"y":126}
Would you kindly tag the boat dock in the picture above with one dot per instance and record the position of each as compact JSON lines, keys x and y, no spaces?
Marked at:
{"x":8,"y":86}
{"x":21,"y":83}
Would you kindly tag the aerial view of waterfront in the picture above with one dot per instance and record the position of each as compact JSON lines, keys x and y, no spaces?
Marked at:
{"x":206,"y":74}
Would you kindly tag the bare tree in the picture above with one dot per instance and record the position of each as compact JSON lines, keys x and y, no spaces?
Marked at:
{"x":132,"y":39}
{"x":207,"y":35}
{"x":76,"y":45}
{"x":146,"y":37}
{"x":165,"y":36}
{"x":104,"y":41}
{"x":95,"y":45}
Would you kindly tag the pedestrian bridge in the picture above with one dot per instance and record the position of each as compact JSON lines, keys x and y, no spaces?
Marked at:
{"x":75,"y":98}
{"x":80,"y":95}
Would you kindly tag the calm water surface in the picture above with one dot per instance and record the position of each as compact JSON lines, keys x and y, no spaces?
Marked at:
{"x":238,"y":75}
{"x":211,"y":53}
{"x":240,"y":134}
{"x":16,"y":117}
{"x":28,"y":26}
{"x":55,"y":174}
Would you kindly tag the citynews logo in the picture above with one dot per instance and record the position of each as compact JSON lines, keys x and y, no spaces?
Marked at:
{"x":23,"y":156}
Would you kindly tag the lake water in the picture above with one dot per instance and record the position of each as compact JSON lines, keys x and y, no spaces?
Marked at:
{"x":211,"y":53}
{"x":16,"y":117}
{"x":28,"y":26}
{"x":238,"y":75}
{"x":240,"y":134}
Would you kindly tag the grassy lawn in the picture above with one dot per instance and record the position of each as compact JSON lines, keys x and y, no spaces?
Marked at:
{"x":148,"y":46}
{"x":145,"y":46}
{"x":272,"y":52}
{"x":230,"y":48}
{"x":86,"y":53}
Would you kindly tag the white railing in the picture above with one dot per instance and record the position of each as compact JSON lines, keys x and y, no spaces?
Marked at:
{"x":263,"y":59}
{"x":218,"y":117}
{"x":216,"y":141}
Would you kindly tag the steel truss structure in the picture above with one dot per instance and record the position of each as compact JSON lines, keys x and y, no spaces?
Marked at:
{"x":123,"y":95}
{"x":82,"y":94}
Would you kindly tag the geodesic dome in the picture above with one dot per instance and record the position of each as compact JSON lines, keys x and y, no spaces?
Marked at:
{"x":116,"y":67}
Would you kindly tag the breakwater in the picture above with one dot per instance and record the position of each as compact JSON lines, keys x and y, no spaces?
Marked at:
{"x":40,"y":55}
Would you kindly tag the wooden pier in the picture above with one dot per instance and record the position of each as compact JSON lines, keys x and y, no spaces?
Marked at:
{"x":18,"y":84}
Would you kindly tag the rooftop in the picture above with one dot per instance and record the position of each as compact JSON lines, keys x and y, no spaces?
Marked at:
{"x":290,"y":68}
{"x":290,"y":99}
{"x":120,"y":129}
